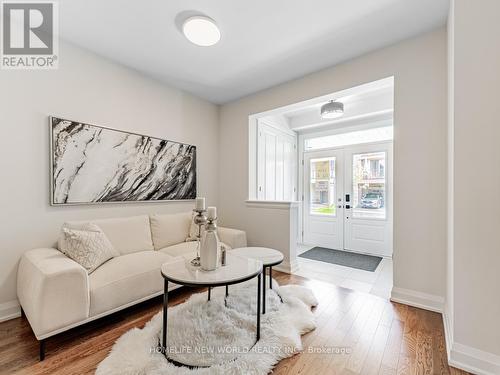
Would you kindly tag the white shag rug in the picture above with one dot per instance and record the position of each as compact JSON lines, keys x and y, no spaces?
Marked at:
{"x":220,"y":338}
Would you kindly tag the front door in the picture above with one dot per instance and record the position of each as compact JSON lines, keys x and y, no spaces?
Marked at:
{"x":323,"y":210}
{"x":368,"y":214}
{"x":348,"y":198}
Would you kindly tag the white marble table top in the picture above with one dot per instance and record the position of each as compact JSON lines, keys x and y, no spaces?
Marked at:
{"x":265,"y":255}
{"x":237,"y":268}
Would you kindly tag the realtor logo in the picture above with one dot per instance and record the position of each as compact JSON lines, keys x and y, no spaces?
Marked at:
{"x":29,"y":35}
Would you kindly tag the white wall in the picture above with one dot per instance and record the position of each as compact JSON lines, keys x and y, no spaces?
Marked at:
{"x":90,"y":89}
{"x":420,"y":179}
{"x":475,"y":277}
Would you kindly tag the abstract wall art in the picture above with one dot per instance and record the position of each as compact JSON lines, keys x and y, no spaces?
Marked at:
{"x":93,"y":164}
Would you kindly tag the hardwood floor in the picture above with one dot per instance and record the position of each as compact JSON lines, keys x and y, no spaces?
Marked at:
{"x":370,"y":335}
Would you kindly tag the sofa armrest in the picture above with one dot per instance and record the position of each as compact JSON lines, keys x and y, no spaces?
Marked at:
{"x":53,"y":290}
{"x":232,"y":237}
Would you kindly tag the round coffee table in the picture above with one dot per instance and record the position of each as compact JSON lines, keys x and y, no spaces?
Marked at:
{"x":268,"y":257}
{"x":237,"y":270}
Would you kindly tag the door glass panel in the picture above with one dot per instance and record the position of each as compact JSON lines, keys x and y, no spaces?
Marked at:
{"x":368,"y":185}
{"x":322,"y":191}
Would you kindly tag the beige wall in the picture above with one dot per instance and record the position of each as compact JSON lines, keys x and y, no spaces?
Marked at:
{"x":476,"y":250}
{"x":84,"y":88}
{"x":420,"y":168}
{"x":448,"y":309}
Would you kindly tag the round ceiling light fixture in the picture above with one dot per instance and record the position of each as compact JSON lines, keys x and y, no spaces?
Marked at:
{"x":332,"y":109}
{"x":201,"y":30}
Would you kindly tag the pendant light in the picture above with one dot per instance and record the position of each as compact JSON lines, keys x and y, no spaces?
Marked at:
{"x":332,"y":109}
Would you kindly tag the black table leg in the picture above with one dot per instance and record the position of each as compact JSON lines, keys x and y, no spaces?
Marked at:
{"x":227,"y":291}
{"x":264,"y":290}
{"x":258,"y":306}
{"x":209,"y":291}
{"x":42,"y":349}
{"x":165,"y":312}
{"x":271,"y":277}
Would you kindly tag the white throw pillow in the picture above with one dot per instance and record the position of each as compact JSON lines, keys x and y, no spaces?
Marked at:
{"x":88,"y":247}
{"x":87,"y":226}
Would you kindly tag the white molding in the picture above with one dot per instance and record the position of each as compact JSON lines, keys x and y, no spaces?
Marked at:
{"x":465,"y":357}
{"x":473,"y":360}
{"x":348,"y":122}
{"x":287,"y":267}
{"x":365,"y":87}
{"x":267,"y":121}
{"x":421,"y":300}
{"x":448,"y":330}
{"x":459,"y":355}
{"x":279,"y":205}
{"x":9,"y":310}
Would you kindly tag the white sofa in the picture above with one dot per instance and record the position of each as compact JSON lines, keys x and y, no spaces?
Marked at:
{"x":57,"y":294}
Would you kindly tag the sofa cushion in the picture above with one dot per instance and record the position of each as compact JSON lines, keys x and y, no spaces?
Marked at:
{"x":126,"y":279}
{"x":127,"y":234}
{"x":169,"y":229}
{"x":180,"y":249}
{"x":184,"y":249}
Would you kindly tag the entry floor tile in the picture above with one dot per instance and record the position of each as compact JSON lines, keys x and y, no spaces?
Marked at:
{"x":378,"y":282}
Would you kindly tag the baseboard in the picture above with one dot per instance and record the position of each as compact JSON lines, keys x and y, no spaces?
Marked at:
{"x":467,"y":358}
{"x":448,"y":330}
{"x":421,"y":300}
{"x":9,"y":310}
{"x":473,"y":360}
{"x":287,"y":267}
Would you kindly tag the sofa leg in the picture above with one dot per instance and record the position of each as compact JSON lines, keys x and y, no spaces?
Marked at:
{"x":42,"y":350}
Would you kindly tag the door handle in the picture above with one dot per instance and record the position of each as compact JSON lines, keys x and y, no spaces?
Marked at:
{"x":347,"y":206}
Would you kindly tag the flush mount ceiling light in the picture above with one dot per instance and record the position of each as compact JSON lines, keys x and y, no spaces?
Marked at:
{"x":332,"y":109}
{"x":201,"y":30}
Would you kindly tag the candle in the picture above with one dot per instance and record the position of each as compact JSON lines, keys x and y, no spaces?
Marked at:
{"x":212,"y":213}
{"x":200,"y":204}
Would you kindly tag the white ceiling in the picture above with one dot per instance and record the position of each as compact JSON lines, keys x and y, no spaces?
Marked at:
{"x":357,"y":106}
{"x":366,"y":103}
{"x":264,"y":42}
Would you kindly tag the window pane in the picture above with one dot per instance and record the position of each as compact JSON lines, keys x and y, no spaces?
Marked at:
{"x":351,"y":138}
{"x":368,"y":179}
{"x":322,"y":186}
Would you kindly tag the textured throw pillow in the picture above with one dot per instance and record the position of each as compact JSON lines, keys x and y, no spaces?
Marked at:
{"x":88,"y":247}
{"x":88,"y":226}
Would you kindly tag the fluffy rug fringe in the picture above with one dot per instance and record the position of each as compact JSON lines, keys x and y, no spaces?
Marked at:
{"x":198,"y":324}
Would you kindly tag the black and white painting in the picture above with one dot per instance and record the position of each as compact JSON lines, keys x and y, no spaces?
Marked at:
{"x":92,"y":164}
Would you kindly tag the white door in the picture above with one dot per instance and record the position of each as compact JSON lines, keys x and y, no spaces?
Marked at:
{"x":348,"y":198}
{"x":323,"y":191}
{"x":368,"y":199}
